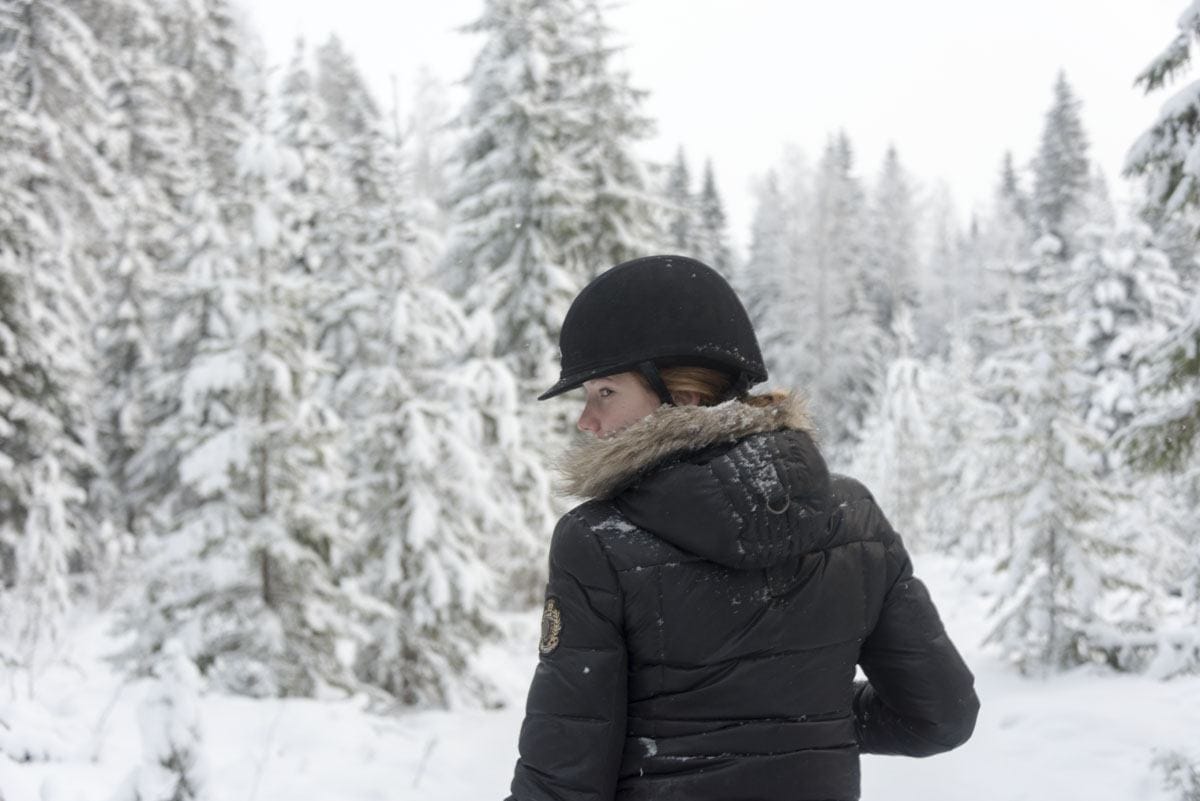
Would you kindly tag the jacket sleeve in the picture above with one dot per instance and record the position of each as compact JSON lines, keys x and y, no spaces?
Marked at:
{"x":574,"y":731}
{"x":919,"y":698}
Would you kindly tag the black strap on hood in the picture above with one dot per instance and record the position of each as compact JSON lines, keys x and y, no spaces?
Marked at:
{"x":649,"y":371}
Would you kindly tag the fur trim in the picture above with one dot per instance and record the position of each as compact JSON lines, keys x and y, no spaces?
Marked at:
{"x":600,"y":467}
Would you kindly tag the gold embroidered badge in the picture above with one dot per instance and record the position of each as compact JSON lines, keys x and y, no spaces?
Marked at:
{"x":551,"y":626}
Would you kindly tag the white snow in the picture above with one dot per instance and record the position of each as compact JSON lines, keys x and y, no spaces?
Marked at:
{"x":1086,"y":733}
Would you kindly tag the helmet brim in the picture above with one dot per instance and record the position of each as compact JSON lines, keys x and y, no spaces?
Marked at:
{"x":742,"y":379}
{"x":575,"y":380}
{"x":560,"y":388}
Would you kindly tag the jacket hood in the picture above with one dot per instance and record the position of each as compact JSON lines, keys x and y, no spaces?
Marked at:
{"x":741,"y":485}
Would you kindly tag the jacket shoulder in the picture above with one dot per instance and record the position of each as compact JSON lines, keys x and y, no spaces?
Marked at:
{"x":855,"y":515}
{"x":576,"y":535}
{"x":844,"y":489}
{"x":625,"y":545}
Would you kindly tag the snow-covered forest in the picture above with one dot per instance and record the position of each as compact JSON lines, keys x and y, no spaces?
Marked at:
{"x":269,"y":350}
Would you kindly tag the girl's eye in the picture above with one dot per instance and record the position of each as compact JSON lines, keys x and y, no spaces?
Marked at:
{"x":602,"y":390}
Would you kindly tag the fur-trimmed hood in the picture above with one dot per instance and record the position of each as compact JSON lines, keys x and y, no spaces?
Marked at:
{"x":601,"y":467}
{"x":740,"y":485}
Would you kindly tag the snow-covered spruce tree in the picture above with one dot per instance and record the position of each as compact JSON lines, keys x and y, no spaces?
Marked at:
{"x":763,"y":282}
{"x":941,"y":282}
{"x":34,"y":605}
{"x":780,"y":279}
{"x":1064,"y":558}
{"x":1174,"y":234}
{"x":892,"y":243}
{"x":1164,"y":436}
{"x":349,"y":104}
{"x":55,"y":188}
{"x":245,"y":575}
{"x":975,"y":508}
{"x":712,"y":233}
{"x":898,"y":455}
{"x":1004,"y":240}
{"x":147,"y":146}
{"x":680,"y":216}
{"x":1061,"y":171}
{"x":208,"y":43}
{"x":847,"y":343}
{"x":369,"y":216}
{"x":853,"y":381}
{"x":1161,"y":438}
{"x":327,"y":228}
{"x":303,"y":130}
{"x":443,"y":520}
{"x":975,"y":283}
{"x":291,"y":472}
{"x":622,"y":213}
{"x":1011,"y":197}
{"x":428,"y":147}
{"x":798,"y":284}
{"x":193,"y":290}
{"x":837,"y":212}
{"x":450,"y":498}
{"x":173,"y":766}
{"x":521,"y":198}
{"x":1129,"y":298}
{"x":967,"y":509}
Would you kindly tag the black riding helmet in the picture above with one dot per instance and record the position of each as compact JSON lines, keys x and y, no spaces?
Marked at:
{"x":653,"y":312}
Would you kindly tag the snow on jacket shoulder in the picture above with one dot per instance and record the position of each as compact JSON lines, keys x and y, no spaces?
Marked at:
{"x":705,"y":613}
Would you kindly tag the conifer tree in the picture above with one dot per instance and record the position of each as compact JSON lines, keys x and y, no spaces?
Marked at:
{"x":762,"y":284}
{"x":244,"y":573}
{"x":621,"y":223}
{"x":262,"y":481}
{"x":847,"y":344}
{"x":427,"y":142}
{"x":193,"y":291}
{"x":1164,"y":436}
{"x":1004,"y":240}
{"x":174,"y":767}
{"x":941,"y":303}
{"x":1129,"y":298}
{"x":444,"y":521}
{"x":349,"y":105}
{"x":55,"y":188}
{"x":712,"y":236}
{"x":681,"y":208}
{"x":968,"y":508}
{"x":797,"y":282}
{"x":323,"y":232}
{"x":1174,"y":235}
{"x":370,"y":215}
{"x":1063,"y":557}
{"x":1061,"y":171}
{"x":147,"y":149}
{"x":780,"y":280}
{"x":1011,"y":197}
{"x":36,"y":601}
{"x":899,"y":454}
{"x":522,"y":197}
{"x":431,"y":420}
{"x":892,"y":257}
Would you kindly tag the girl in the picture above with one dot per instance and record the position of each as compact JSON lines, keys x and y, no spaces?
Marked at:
{"x":707,"y":605}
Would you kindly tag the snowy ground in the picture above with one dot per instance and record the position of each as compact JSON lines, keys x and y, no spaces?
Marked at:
{"x":1085,"y":734}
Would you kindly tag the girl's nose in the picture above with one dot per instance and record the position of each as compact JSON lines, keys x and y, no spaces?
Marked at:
{"x":586,"y":422}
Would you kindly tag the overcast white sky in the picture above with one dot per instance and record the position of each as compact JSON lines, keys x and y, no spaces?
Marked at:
{"x":953,"y":83}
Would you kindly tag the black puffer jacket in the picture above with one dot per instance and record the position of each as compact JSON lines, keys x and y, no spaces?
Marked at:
{"x":704,"y":616}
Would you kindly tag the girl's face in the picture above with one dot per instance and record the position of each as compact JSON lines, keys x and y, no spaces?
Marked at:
{"x":614,"y":402}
